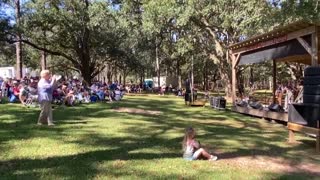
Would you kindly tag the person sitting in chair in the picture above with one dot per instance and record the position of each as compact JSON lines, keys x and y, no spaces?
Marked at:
{"x":117,"y":93}
{"x":23,"y":93}
{"x":15,"y":91}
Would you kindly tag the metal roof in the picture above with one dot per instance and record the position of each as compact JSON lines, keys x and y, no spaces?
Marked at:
{"x":277,"y":32}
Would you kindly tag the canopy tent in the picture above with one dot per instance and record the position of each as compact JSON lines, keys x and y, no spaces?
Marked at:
{"x":296,"y":42}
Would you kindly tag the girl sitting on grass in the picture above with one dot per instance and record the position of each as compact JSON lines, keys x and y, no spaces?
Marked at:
{"x":191,"y":147}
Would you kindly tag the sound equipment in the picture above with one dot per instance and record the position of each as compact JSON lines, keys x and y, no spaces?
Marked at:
{"x":276,"y":108}
{"x":242,"y":104}
{"x":213,"y":101}
{"x":218,"y":102}
{"x":256,"y":105}
{"x":222,"y":103}
{"x":304,"y":114}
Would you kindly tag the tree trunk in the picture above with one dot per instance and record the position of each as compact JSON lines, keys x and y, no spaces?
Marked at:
{"x":203,"y":79}
{"x":226,"y":82}
{"x":109,"y":73}
{"x":115,"y":72}
{"x":179,"y":74}
{"x":87,"y":68}
{"x":111,"y":77}
{"x":18,"y":44}
{"x":251,"y":77}
{"x":43,"y":60}
{"x":19,"y":59}
{"x":240,"y":83}
{"x":205,"y":76}
{"x":86,"y":76}
{"x":143,"y":75}
{"x":225,"y":74}
{"x":192,"y":79}
{"x":158,"y":65}
{"x":226,"y":79}
{"x":141,"y":80}
{"x":124,"y":77}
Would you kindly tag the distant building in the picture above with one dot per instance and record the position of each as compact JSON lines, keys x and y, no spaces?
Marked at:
{"x":165,"y":80}
{"x":7,"y":72}
{"x":10,"y":72}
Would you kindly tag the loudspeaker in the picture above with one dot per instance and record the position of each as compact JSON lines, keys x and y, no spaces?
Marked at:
{"x":242,"y":104}
{"x":311,"y":90}
{"x":276,"y":108}
{"x":312,"y":71}
{"x":222,"y":103}
{"x":304,"y":114}
{"x":218,"y":102}
{"x":311,"y":80}
{"x":311,"y":99}
{"x":213,"y":101}
{"x":256,"y":105}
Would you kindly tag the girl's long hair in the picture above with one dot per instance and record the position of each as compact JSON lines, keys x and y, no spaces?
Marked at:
{"x":188,"y":132}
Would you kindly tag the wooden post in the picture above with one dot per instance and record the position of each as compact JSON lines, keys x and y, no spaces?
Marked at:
{"x":315,"y":48}
{"x":291,"y":136}
{"x":234,"y":79}
{"x":274,"y":74}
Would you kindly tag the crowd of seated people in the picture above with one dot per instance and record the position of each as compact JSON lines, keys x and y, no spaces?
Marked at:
{"x":18,"y":91}
{"x":68,"y":92}
{"x":71,"y":92}
{"x":133,"y":88}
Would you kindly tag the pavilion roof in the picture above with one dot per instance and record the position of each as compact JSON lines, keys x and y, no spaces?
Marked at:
{"x":276,"y":32}
{"x":281,"y":44}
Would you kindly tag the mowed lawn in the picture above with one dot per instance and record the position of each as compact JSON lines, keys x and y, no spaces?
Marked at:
{"x":140,"y":138}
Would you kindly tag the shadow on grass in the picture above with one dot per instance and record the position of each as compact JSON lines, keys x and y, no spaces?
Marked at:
{"x":218,"y":128}
{"x":294,"y":176}
{"x":82,"y":165}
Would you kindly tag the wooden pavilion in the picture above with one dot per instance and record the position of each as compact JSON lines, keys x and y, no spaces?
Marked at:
{"x":296,"y":42}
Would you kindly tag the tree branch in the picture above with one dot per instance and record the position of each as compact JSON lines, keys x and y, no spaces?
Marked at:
{"x":57,"y":53}
{"x":98,"y":70}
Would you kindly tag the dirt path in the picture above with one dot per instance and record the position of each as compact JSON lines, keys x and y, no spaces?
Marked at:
{"x":137,"y":111}
{"x":276,"y":165}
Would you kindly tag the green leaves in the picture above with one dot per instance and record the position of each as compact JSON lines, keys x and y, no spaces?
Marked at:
{"x":125,"y":33}
{"x":298,"y":10}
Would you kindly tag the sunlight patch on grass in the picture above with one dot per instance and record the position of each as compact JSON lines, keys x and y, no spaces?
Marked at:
{"x":41,"y":148}
{"x":94,"y":142}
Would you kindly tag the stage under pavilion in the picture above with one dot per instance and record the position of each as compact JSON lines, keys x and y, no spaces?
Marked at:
{"x":297,"y":42}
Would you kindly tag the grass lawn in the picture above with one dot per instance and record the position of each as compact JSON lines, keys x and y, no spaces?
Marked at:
{"x":140,"y":137}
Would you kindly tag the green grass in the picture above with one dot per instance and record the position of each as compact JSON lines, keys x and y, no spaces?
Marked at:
{"x":92,"y":141}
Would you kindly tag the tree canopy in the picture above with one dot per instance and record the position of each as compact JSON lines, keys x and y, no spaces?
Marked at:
{"x":143,"y":38}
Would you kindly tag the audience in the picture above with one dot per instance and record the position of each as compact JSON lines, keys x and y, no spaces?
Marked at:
{"x":69,"y":91}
